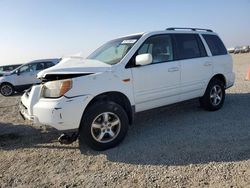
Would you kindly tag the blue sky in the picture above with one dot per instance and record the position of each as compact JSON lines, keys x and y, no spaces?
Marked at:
{"x":33,"y":29}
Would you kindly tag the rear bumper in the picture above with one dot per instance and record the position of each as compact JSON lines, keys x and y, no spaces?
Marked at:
{"x":62,"y":113}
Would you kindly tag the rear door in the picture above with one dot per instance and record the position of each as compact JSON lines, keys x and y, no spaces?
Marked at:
{"x":196,"y":66}
{"x":37,"y":68}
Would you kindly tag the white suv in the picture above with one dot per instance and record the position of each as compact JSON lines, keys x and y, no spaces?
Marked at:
{"x":99,"y":95}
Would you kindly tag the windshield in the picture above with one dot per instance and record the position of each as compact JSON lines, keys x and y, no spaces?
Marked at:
{"x":113,"y":51}
{"x":13,"y":71}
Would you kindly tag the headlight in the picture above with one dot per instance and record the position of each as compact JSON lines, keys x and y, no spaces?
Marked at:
{"x":55,"y":89}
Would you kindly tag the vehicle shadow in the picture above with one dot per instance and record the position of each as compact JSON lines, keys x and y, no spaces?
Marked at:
{"x":184,"y":134}
{"x":14,"y":137}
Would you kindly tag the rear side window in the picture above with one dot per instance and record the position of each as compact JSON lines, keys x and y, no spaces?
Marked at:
{"x":189,"y":46}
{"x":40,"y":66}
{"x":215,"y":45}
{"x":49,"y":64}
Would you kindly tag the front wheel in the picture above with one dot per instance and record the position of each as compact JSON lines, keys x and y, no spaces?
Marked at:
{"x":103,"y":126}
{"x":214,"y":97}
{"x":6,"y":89}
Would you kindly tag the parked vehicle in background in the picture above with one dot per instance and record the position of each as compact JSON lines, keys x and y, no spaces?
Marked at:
{"x":7,"y":68}
{"x":100,"y":95}
{"x":244,"y":49}
{"x":24,"y":76}
{"x":231,"y":50}
{"x":237,"y":50}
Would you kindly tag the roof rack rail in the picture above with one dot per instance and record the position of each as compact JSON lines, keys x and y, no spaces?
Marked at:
{"x":186,"y":28}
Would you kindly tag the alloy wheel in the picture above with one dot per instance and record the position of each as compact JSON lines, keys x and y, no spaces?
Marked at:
{"x":105,"y":127}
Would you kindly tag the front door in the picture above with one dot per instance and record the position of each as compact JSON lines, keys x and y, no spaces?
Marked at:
{"x":157,"y":84}
{"x":25,"y":75}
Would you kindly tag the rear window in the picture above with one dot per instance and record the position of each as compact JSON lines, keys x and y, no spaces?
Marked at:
{"x":189,"y":46}
{"x":215,"y":45}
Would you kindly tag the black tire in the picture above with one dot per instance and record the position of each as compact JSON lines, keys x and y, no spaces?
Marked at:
{"x":6,"y":89}
{"x":96,"y":113}
{"x":209,"y":103}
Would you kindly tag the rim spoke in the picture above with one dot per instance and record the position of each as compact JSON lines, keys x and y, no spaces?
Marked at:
{"x":215,"y":100}
{"x":96,"y":125}
{"x":100,"y":137}
{"x":114,"y":123}
{"x":218,"y":97}
{"x":111,"y":133}
{"x":106,"y":117}
{"x":214,"y":89}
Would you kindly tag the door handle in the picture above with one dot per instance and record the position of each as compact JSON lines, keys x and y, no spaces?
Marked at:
{"x":207,"y":63}
{"x":173,"y":69}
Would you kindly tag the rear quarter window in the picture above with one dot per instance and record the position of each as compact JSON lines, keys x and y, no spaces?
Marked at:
{"x":215,"y":45}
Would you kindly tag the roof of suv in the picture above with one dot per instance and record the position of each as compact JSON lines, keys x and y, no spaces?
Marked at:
{"x":176,"y":30}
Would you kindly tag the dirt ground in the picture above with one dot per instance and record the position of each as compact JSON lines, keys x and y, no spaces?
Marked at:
{"x":176,"y":146}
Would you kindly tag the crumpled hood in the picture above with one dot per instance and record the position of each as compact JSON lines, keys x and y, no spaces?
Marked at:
{"x":75,"y":65}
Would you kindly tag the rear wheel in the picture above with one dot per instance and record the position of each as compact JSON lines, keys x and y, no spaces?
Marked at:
{"x":6,"y":89}
{"x":214,"y":97}
{"x":104,"y":125}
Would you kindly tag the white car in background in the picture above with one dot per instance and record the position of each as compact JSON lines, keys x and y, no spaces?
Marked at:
{"x":24,"y":76}
{"x":99,"y":96}
{"x":231,"y":50}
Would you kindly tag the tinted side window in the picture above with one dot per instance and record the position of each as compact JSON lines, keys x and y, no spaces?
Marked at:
{"x":189,"y":46}
{"x":49,"y":64}
{"x":215,"y":45}
{"x":160,"y":47}
{"x":26,"y":68}
{"x":40,"y":66}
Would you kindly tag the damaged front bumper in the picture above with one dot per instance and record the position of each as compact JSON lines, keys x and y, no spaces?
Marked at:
{"x":62,"y":113}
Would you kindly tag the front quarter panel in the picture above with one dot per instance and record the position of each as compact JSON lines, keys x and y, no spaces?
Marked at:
{"x":96,"y":84}
{"x":8,"y":79}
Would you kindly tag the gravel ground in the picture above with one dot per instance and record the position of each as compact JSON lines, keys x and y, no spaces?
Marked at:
{"x":175,"y":146}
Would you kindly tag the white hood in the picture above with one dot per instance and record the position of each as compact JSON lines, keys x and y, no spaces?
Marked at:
{"x":76,"y":65}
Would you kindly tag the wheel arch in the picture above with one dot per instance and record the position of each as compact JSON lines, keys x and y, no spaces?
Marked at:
{"x":6,"y":83}
{"x":220,"y":77}
{"x":118,"y":98}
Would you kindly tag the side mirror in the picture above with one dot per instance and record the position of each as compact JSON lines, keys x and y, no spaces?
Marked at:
{"x":18,"y":72}
{"x":143,"y":59}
